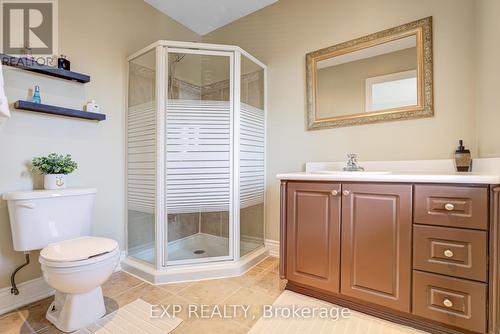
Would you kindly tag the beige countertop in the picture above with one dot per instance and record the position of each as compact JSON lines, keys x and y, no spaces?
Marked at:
{"x":485,"y":171}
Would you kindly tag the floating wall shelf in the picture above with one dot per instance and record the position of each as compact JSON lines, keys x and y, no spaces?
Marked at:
{"x":32,"y":66}
{"x":54,"y":110}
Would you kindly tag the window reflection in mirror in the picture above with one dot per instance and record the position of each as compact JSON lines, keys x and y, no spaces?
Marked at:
{"x":390,"y":91}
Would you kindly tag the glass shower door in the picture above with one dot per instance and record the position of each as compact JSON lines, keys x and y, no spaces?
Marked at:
{"x":142,"y":129}
{"x":252,"y":133}
{"x":199,"y":149}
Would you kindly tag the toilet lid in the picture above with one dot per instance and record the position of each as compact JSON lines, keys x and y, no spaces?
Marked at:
{"x":78,"y":249}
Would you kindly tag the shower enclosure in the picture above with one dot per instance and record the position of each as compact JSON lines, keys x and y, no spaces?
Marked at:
{"x":195,"y":161}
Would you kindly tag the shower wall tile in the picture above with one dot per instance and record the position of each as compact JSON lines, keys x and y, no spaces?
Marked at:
{"x":210,"y":223}
{"x":141,"y":229}
{"x":252,"y":89}
{"x":141,"y":84}
{"x":184,"y":90}
{"x":251,"y":228}
{"x":183,"y":225}
{"x":225,"y":224}
{"x":215,"y":223}
{"x":251,"y":222}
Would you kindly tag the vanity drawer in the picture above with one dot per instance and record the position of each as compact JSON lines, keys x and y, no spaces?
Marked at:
{"x":465,"y":207}
{"x":451,"y":301}
{"x":450,"y":251}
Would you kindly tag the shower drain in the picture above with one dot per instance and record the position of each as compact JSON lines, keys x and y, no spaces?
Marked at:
{"x":199,"y":251}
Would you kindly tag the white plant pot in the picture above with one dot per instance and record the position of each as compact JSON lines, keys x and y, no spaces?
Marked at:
{"x":54,"y":181}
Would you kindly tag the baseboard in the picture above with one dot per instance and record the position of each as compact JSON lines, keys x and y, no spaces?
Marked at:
{"x":273,"y":246}
{"x":29,"y":292}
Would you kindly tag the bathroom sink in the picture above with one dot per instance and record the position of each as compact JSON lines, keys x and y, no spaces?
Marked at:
{"x":341,"y":172}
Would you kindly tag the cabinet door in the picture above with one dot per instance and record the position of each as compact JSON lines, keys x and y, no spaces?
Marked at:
{"x":376,"y":243}
{"x":313,"y":235}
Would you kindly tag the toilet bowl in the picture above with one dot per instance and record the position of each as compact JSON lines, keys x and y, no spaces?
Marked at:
{"x":76,"y":269}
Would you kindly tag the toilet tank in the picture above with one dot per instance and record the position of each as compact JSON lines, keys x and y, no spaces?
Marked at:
{"x":38,"y":218}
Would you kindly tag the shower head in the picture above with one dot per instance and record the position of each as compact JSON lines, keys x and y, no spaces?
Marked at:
{"x":177,"y":58}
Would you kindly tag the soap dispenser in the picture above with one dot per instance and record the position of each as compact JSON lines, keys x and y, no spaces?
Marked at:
{"x":463,"y":160}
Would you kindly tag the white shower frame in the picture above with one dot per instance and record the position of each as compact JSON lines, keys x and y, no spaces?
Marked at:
{"x":162,"y":270}
{"x":233,"y":169}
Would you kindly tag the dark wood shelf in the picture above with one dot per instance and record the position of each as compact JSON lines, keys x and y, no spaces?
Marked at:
{"x":54,"y":110}
{"x":33,"y":66}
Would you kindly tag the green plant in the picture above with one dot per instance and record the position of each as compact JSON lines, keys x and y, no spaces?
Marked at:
{"x":54,"y":164}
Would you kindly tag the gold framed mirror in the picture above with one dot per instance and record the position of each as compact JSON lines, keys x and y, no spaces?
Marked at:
{"x":380,"y":77}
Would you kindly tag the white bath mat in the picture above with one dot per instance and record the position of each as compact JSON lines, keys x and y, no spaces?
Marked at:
{"x":356,"y":323}
{"x":133,"y":318}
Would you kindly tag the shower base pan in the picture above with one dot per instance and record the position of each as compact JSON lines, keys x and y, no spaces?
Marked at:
{"x":197,"y":246}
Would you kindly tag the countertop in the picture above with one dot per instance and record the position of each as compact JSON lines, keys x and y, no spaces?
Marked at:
{"x":408,"y":177}
{"x":485,"y":171}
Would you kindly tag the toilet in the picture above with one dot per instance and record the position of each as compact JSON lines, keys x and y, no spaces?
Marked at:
{"x":74,"y":263}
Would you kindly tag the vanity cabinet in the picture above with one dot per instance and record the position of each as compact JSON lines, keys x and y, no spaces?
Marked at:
{"x":423,"y":255}
{"x":376,"y":243}
{"x":313,"y":235}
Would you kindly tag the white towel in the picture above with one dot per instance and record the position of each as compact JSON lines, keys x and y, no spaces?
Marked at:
{"x":4,"y":104}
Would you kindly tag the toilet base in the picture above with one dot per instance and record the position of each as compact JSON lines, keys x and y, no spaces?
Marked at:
{"x":70,"y":312}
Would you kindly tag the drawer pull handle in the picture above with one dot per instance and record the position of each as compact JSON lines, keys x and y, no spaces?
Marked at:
{"x":334,"y":192}
{"x":447,"y":302}
{"x":346,"y":192}
{"x":448,"y":253}
{"x":449,"y":207}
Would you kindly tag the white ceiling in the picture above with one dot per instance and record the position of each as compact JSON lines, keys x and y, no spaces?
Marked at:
{"x":204,"y":16}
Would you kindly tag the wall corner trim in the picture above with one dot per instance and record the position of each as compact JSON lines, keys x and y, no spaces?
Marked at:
{"x":273,"y":246}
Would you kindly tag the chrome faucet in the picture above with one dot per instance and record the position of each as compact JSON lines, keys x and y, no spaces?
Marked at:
{"x":352,"y":164}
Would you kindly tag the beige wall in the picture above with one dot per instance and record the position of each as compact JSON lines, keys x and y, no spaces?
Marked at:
{"x":280,"y":35}
{"x":342,"y":88}
{"x":488,"y":78}
{"x":97,"y":36}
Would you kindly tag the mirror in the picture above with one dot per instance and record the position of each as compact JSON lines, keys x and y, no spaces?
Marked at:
{"x":380,"y":77}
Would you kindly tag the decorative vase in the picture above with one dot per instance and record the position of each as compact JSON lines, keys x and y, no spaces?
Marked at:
{"x":54,"y":181}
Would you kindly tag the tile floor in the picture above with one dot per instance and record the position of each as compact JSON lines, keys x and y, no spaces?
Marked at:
{"x":260,"y":285}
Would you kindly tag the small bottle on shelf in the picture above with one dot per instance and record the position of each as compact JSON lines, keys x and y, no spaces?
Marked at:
{"x":36,"y":95}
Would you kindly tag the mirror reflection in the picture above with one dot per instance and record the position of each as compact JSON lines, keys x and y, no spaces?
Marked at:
{"x":372,"y":79}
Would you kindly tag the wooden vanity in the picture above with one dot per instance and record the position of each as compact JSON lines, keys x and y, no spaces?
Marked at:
{"x":421,"y":254}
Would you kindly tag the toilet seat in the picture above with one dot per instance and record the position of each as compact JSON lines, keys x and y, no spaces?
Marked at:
{"x":78,"y":252}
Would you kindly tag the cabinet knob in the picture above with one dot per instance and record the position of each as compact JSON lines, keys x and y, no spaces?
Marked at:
{"x":449,"y":207}
{"x":448,"y":253}
{"x":346,"y":192}
{"x":334,"y":192}
{"x":447,"y":302}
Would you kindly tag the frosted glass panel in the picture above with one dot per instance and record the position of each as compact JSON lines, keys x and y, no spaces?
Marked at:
{"x":252,"y":140}
{"x":141,"y":156}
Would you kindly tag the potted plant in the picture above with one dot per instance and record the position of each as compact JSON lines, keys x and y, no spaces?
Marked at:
{"x":54,"y":168}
